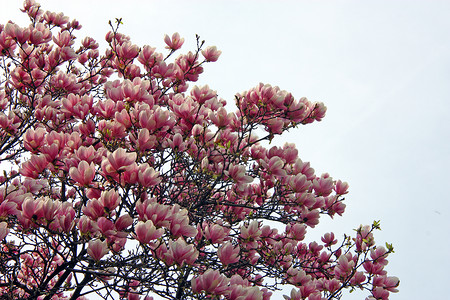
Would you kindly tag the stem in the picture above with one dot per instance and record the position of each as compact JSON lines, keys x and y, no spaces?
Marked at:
{"x":60,"y":280}
{"x":80,"y":287}
{"x":181,"y":283}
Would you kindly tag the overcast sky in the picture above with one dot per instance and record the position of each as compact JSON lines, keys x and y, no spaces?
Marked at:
{"x":381,"y":67}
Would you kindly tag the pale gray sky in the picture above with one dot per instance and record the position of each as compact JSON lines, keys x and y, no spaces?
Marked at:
{"x":381,"y":67}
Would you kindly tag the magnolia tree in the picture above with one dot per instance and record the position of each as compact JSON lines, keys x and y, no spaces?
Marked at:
{"x":120,"y":180}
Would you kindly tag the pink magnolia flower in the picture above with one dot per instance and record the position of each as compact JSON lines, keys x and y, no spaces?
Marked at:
{"x":374,"y":268}
{"x":215,"y":233}
{"x":332,"y":285}
{"x":33,"y":139}
{"x":289,"y":153}
{"x":379,"y":255}
{"x":118,"y":161}
{"x":123,"y":222}
{"x":146,"y":56}
{"x":228,"y":254}
{"x":275,"y":166}
{"x":67,"y":53}
{"x":94,"y":209}
{"x":110,"y":199}
{"x":87,"y":154}
{"x":123,"y":118}
{"x":65,"y":222}
{"x":97,"y":249}
{"x":296,"y":231}
{"x":49,"y":208}
{"x":310,"y":217}
{"x":106,"y":227}
{"x":106,"y":108}
{"x":252,"y":231}
{"x":358,"y":278}
{"x":179,"y":224}
{"x":341,"y":187}
{"x":211,"y":53}
{"x":323,"y":185}
{"x":40,"y":34}
{"x":300,"y":294}
{"x":89,"y":43}
{"x":147,"y":176}
{"x":380,"y":293}
{"x":333,"y":206}
{"x":62,"y":80}
{"x":145,"y":141}
{"x":87,"y":226}
{"x":127,"y":51}
{"x":180,"y":252}
{"x":391,"y":283}
{"x":237,"y":172}
{"x":155,"y":119}
{"x":130,"y":175}
{"x":7,"y":44}
{"x":112,"y":130}
{"x":32,"y":209}
{"x":146,"y":232}
{"x":56,"y":18}
{"x":83,"y":174}
{"x":344,"y":267}
{"x":204,"y":163}
{"x":8,"y":208}
{"x":275,"y":125}
{"x":299,"y":183}
{"x":304,"y":168}
{"x":319,"y":111}
{"x":328,"y":239}
{"x":177,"y":142}
{"x":175,"y":42}
{"x":220,"y":118}
{"x":33,"y":167}
{"x":3,"y":230}
{"x":63,"y":39}
{"x":202,"y":94}
{"x":298,"y":277}
{"x":295,"y":295}
{"x":159,"y":214}
{"x":316,"y":296}
{"x":137,"y":90}
{"x":364,"y":238}
{"x":163,"y":70}
{"x":248,"y":293}
{"x":16,"y":32}
{"x":212,"y":282}
{"x":77,"y":106}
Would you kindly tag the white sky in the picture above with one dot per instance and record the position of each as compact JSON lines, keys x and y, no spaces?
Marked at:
{"x":381,"y":67}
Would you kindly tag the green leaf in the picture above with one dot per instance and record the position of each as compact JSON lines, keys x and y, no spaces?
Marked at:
{"x":376,"y":224}
{"x":390,"y":247}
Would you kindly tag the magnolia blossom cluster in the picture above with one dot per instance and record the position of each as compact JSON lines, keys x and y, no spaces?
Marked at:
{"x":126,"y":182}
